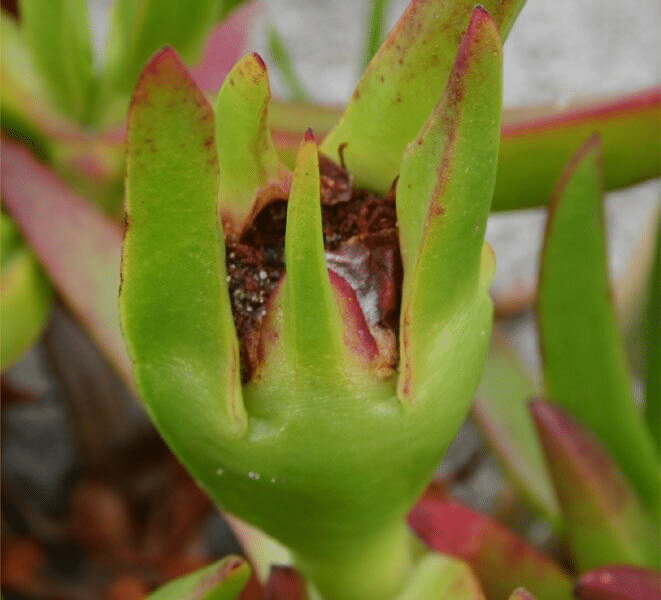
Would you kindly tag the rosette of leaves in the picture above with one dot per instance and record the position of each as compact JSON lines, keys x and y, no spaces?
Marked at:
{"x":308,"y":342}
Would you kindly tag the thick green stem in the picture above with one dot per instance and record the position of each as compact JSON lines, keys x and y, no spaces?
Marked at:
{"x":377,"y":568}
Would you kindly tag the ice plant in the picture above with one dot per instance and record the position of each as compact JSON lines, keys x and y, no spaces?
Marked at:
{"x":307,"y":385}
{"x":340,"y":368}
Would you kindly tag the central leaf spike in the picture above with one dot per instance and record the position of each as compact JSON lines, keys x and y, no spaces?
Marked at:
{"x":312,"y":320}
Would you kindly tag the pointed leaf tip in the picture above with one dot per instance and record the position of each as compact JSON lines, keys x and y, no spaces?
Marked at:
{"x":259,"y":60}
{"x":309,"y":135}
{"x":250,"y":171}
{"x":166,"y":58}
{"x":585,"y":367}
{"x":174,"y":302}
{"x":605,"y":520}
{"x":223,"y":579}
{"x":403,"y":83}
{"x":444,"y":194}
{"x":312,"y":317}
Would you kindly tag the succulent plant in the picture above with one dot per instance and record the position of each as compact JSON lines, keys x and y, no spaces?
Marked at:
{"x":317,"y":423}
{"x":307,"y":323}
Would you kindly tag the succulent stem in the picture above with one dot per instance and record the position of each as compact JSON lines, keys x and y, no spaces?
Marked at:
{"x":377,"y":568}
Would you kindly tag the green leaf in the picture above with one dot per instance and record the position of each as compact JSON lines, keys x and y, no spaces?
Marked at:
{"x":174,"y":302}
{"x":375,"y":29}
{"x":250,"y":171}
{"x":78,"y":247}
{"x":402,"y":85}
{"x":279,"y":54}
{"x":440,"y":577}
{"x":223,"y":580}
{"x":140,"y":27}
{"x":585,"y":369}
{"x":21,"y":89}
{"x":443,"y":198}
{"x":500,"y":559}
{"x":58,"y":34}
{"x":25,"y":298}
{"x":312,"y":329}
{"x":653,"y":343}
{"x":534,"y":148}
{"x":605,"y":521}
{"x":535,"y":143}
{"x":501,"y":411}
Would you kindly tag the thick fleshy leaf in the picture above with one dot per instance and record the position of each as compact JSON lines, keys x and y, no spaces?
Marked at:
{"x":501,"y":560}
{"x":25,"y":295}
{"x":174,"y":301}
{"x":315,"y":330}
{"x":284,"y":583}
{"x":262,"y":550}
{"x":223,"y":580}
{"x":92,"y":164}
{"x":619,"y":582}
{"x":604,"y":519}
{"x":442,"y":204}
{"x":58,"y":34}
{"x":376,"y":29}
{"x":652,"y":329}
{"x":501,"y":411}
{"x":21,"y":89}
{"x":402,"y":85}
{"x":140,"y":28}
{"x":226,"y":45}
{"x":534,"y":148}
{"x":246,"y":154}
{"x":585,"y":369}
{"x":311,"y":319}
{"x":281,"y":57}
{"x":78,"y":247}
{"x":534,"y":142}
{"x":438,"y":577}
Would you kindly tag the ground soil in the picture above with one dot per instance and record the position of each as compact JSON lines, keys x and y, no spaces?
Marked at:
{"x":358,"y":227}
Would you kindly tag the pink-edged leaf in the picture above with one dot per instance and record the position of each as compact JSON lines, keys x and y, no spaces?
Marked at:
{"x":224,"y":47}
{"x":502,"y":560}
{"x":284,"y":583}
{"x":535,"y":141}
{"x":619,"y":582}
{"x":501,"y":412}
{"x":222,"y":580}
{"x":78,"y":246}
{"x":535,"y":147}
{"x":585,"y":367}
{"x":604,"y":518}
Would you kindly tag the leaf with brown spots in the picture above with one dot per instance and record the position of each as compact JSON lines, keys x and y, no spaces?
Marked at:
{"x":402,"y":84}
